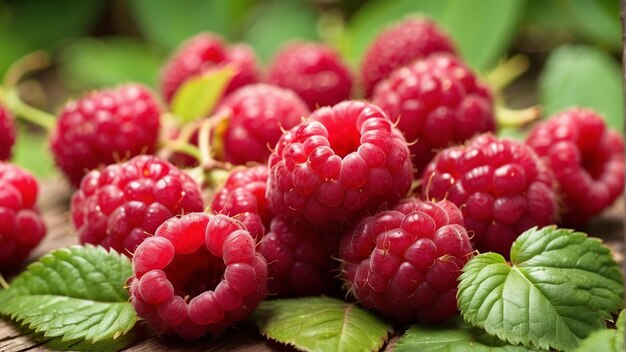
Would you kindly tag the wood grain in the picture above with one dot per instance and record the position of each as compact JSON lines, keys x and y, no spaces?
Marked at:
{"x":54,"y":200}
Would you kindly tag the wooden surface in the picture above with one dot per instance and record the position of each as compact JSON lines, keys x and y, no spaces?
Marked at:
{"x":54,"y":202}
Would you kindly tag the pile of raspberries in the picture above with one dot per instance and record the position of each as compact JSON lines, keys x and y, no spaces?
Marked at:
{"x":383,"y":198}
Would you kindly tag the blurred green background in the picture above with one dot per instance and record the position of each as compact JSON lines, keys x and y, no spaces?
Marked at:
{"x":573,"y":46}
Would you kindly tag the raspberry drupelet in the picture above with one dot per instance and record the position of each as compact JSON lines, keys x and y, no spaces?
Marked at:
{"x":501,"y":185}
{"x":587,"y":159}
{"x":404,"y":262}
{"x":7,"y":133}
{"x":121,"y":205}
{"x":343,"y":161}
{"x":198,"y":274}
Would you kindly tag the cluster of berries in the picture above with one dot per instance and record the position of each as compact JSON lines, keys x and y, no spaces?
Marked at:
{"x":401,"y":188}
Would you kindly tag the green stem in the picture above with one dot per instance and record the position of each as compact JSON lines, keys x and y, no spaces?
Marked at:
{"x":514,"y":118}
{"x":34,"y":61}
{"x":182,"y":147}
{"x":3,"y":283}
{"x":507,"y":72}
{"x":27,"y":112}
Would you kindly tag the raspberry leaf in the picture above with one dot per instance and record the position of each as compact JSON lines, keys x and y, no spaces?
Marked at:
{"x":559,"y":287}
{"x":74,"y":294}
{"x":455,"y":335}
{"x":197,"y":97}
{"x":610,"y":340}
{"x":321,"y":324}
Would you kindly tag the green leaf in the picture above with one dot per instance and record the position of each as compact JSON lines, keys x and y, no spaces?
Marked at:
{"x":559,"y":287}
{"x":610,"y":340}
{"x":270,"y":24}
{"x":197,"y":97}
{"x":74,"y":293}
{"x":169,"y":23}
{"x":321,"y":324}
{"x":481,"y":42}
{"x":596,"y":21}
{"x":455,"y":335}
{"x":583,"y":76}
{"x":119,"y":60}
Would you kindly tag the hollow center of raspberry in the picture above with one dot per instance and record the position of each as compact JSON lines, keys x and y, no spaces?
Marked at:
{"x":192,"y":274}
{"x":344,"y":139}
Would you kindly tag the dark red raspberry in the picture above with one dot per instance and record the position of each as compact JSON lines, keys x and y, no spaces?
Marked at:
{"x":243,"y":197}
{"x":437,"y":102}
{"x":501,"y":185}
{"x":199,"y":273}
{"x":258,"y":115}
{"x":342,"y":161}
{"x":399,"y":45}
{"x":314,"y":71}
{"x":587,"y":159}
{"x":299,"y":258}
{"x":121,"y":205}
{"x":405,"y":262}
{"x":201,"y":54}
{"x":103,"y":127}
{"x":7,"y":133}
{"x":21,"y":226}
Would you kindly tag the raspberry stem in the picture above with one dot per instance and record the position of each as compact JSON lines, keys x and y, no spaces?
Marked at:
{"x":27,"y":112}
{"x":34,"y":61}
{"x":3,"y":283}
{"x":515,"y":118}
{"x":506,"y":72}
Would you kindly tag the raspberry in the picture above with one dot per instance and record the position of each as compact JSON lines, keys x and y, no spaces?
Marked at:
{"x":7,"y":133}
{"x":314,"y":71}
{"x":197,"y":274}
{"x":201,"y":54}
{"x":298,"y":258}
{"x":257,"y":115}
{"x":243,"y":197}
{"x":341,"y":162}
{"x":436,"y":102}
{"x":398,"y":45}
{"x":405,"y":262}
{"x":21,"y":226}
{"x":501,"y":185}
{"x":121,"y":205}
{"x":103,"y":127}
{"x":587,"y":159}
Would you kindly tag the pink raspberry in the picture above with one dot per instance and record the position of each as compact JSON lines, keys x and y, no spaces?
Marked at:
{"x":205,"y":52}
{"x":197,"y":274}
{"x":436,"y":102}
{"x":341,"y":162}
{"x":7,"y":133}
{"x":121,"y":205}
{"x":103,"y":127}
{"x":405,"y":262}
{"x":258,"y":115}
{"x":501,"y":185}
{"x":398,"y":45}
{"x":587,"y":159}
{"x":314,"y":71}
{"x":243,"y":197}
{"x":299,"y":258}
{"x":21,"y":226}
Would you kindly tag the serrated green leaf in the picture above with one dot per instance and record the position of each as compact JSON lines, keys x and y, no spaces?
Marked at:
{"x":321,"y":324}
{"x":197,"y":97}
{"x":74,"y":293}
{"x":610,"y":340}
{"x":583,"y":76}
{"x":558,"y":288}
{"x":455,"y":335}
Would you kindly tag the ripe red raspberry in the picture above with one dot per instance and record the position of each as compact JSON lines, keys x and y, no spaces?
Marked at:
{"x":205,"y":52}
{"x":405,"y":262}
{"x":398,"y":45}
{"x":21,"y":226}
{"x":436,"y":102}
{"x":197,"y":274}
{"x":243,"y":197}
{"x":7,"y":133}
{"x":314,"y":71}
{"x":258,"y":114}
{"x":342,"y":161}
{"x":501,"y":185}
{"x":103,"y":127}
{"x":587,"y":159}
{"x":121,"y":205}
{"x":299,"y":258}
